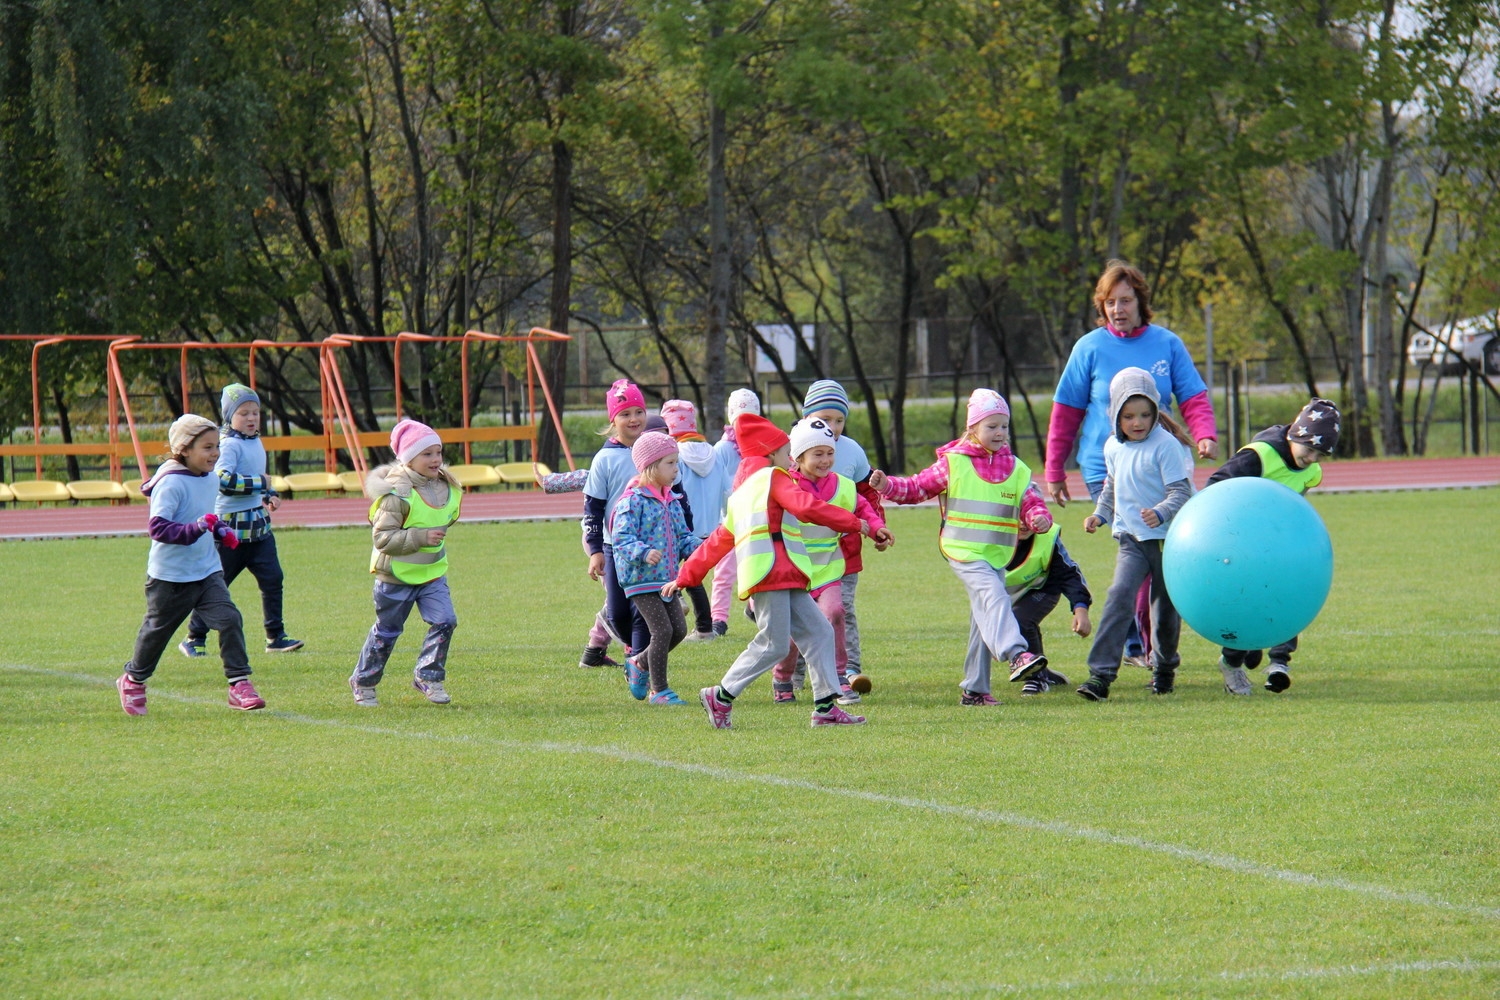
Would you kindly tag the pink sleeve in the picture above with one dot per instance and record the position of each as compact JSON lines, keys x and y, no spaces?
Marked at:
{"x":1198,"y":412}
{"x":865,"y":511}
{"x":1062,"y":432}
{"x":923,"y":486}
{"x":1032,"y":504}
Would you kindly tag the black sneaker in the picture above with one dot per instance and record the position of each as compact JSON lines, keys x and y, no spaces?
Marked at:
{"x":721,"y":627}
{"x":594,"y":656}
{"x":1162,"y":683}
{"x":1277,"y":679}
{"x":1094,"y":689}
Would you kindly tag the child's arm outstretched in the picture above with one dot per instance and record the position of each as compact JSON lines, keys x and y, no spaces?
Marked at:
{"x":912,"y":489}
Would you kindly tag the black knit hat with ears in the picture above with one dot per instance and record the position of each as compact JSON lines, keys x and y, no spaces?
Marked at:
{"x":1317,"y":426}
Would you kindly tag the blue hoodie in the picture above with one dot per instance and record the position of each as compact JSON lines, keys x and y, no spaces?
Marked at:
{"x":641,"y":523}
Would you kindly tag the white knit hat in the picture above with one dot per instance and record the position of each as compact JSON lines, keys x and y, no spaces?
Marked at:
{"x":810,"y":432}
{"x":741,"y":401}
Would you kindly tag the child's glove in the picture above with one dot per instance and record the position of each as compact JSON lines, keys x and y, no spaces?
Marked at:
{"x":227,"y":536}
{"x":208,"y":522}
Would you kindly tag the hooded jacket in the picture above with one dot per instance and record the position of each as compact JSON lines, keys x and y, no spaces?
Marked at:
{"x":646,"y":519}
{"x":392,"y":486}
{"x":704,"y":483}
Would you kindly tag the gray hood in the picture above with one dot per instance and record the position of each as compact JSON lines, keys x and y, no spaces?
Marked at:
{"x":1130,"y":382}
{"x":697,"y":455}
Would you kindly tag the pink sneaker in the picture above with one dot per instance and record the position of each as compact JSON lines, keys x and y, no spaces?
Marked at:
{"x":975,"y":698}
{"x":242,"y":695}
{"x":836,"y":716}
{"x":718,"y":712}
{"x":1023,"y":665}
{"x":132,"y":695}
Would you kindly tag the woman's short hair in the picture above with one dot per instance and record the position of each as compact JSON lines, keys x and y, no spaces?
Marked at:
{"x":1116,"y":271}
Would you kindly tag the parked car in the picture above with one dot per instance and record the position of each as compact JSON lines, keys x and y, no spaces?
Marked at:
{"x":1474,"y":339}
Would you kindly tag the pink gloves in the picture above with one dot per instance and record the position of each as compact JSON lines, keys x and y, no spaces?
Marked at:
{"x":227,"y":536}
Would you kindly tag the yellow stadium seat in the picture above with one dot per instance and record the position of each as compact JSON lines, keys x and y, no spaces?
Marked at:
{"x":353,"y":482}
{"x":471,"y":476}
{"x":314,"y":482}
{"x":521,"y":473}
{"x":279,"y":484}
{"x":97,"y":489}
{"x":41,"y":491}
{"x":6,"y":496}
{"x":133,"y":489}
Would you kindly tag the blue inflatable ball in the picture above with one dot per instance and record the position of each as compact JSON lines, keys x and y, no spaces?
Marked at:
{"x":1248,"y":563}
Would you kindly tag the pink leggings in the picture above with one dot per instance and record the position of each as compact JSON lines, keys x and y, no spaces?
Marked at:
{"x":723,"y":595}
{"x":830,"y":601}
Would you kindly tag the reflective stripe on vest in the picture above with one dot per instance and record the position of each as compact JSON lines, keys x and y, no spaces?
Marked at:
{"x":748,"y":518}
{"x":1274,"y":467}
{"x":1032,"y":572}
{"x":980,"y":519}
{"x":823,"y":548}
{"x":431,"y":561}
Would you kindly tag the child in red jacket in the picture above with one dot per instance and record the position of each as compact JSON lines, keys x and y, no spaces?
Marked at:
{"x":764,"y":528}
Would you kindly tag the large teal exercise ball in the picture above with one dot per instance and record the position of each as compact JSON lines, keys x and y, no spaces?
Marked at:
{"x":1248,"y":563}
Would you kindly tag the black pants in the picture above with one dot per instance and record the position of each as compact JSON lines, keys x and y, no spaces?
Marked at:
{"x":668,"y":627}
{"x":703,"y":615}
{"x":168,"y":605}
{"x":1030,"y":608}
{"x":623,"y":616}
{"x":1279,"y":654}
{"x":260,"y":559}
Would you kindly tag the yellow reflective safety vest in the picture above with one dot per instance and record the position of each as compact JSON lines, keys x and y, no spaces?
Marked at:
{"x":748,"y":518}
{"x":1274,"y":467}
{"x":980,"y":519}
{"x":823,"y":548}
{"x":1032,"y":572}
{"x":431,"y":561}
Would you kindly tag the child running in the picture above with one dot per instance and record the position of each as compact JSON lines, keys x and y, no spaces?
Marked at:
{"x":764,"y":526}
{"x":827,"y":401}
{"x":245,"y":503}
{"x":1037,"y":577}
{"x":651,"y":538}
{"x":609,"y":473}
{"x":727,"y":451}
{"x":987,"y":497}
{"x":413,"y":503}
{"x":1148,"y":465}
{"x":812,"y":450}
{"x":1287,"y":454}
{"x":183,"y":572}
{"x":705,"y":485}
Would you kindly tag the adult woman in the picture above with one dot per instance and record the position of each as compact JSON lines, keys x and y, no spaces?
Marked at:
{"x":1080,"y":406}
{"x":1126,"y":339}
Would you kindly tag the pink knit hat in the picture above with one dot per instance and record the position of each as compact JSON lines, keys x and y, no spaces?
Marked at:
{"x":622,"y":396}
{"x":680,"y":415}
{"x":409,"y":438}
{"x":985,"y":403}
{"x":650,"y":448}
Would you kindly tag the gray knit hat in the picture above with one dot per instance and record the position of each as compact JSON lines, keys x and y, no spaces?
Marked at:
{"x":236,"y":395}
{"x":1317,"y":426}
{"x":1130,"y":382}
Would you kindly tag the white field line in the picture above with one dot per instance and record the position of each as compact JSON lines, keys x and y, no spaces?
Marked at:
{"x":1211,"y":859}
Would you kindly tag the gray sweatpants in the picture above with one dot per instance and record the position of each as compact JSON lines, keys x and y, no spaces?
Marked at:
{"x":993,"y":633}
{"x":169,"y":604}
{"x":851,"y":624}
{"x":782,"y":616}
{"x":393,"y":603}
{"x":1137,"y":560}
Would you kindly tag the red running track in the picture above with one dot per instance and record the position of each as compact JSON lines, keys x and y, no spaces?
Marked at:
{"x":44,"y":522}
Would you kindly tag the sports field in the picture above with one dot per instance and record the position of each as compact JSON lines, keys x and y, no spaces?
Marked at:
{"x":547,"y":836}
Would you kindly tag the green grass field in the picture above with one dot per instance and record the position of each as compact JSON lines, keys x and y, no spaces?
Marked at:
{"x":547,"y":836}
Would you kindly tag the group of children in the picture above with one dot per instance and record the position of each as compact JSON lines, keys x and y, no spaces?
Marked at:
{"x":777,"y":517}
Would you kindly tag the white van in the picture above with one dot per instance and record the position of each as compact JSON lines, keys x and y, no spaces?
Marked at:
{"x":1473,"y":338}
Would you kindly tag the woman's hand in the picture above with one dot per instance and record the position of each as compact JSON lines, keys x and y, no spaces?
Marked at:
{"x":1058,"y":492}
{"x":1208,"y":448}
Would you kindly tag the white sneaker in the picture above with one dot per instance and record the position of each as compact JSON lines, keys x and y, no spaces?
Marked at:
{"x":1236,"y":681}
{"x":363,"y":696}
{"x":696,"y":636}
{"x":433,"y":690}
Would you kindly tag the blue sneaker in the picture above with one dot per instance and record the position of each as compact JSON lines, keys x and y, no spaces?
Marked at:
{"x":193,"y":648}
{"x":637,"y":677}
{"x":284,"y":644}
{"x":666,"y":697}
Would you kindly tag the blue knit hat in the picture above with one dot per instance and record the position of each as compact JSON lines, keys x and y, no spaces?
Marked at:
{"x":235,"y":396}
{"x":825,"y":394}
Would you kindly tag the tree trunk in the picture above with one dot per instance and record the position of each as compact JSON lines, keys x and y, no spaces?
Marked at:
{"x":555,"y":356}
{"x":719,"y":262}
